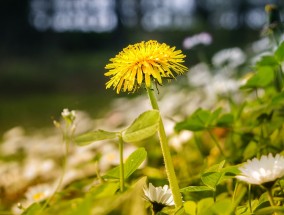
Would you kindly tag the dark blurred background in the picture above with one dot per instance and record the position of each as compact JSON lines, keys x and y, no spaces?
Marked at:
{"x":53,"y":52}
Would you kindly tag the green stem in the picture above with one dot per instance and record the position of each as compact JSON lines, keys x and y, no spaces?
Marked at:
{"x":66,"y":143}
{"x":216,"y":142}
{"x":121,"y":166}
{"x":271,"y":200}
{"x":166,"y":154}
{"x":249,"y":198}
{"x":270,"y":197}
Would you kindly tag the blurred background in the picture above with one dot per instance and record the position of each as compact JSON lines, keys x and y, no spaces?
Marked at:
{"x":53,"y":52}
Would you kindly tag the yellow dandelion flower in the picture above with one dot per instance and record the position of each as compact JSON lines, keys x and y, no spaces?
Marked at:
{"x":143,"y":62}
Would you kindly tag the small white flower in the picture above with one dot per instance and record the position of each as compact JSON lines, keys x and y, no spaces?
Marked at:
{"x":231,"y":57}
{"x":203,"y":38}
{"x":68,"y":114}
{"x":267,"y":169}
{"x":159,"y":195}
{"x":39,"y":192}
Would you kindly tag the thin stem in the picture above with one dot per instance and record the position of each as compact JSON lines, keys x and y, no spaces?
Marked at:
{"x":121,"y":166}
{"x":249,"y":198}
{"x":271,"y":200}
{"x":166,"y":154}
{"x":270,"y":197}
{"x":216,"y":142}
{"x":64,"y":165}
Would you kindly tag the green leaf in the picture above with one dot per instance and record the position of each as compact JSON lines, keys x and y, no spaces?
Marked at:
{"x":278,"y":99}
{"x":143,"y":127}
{"x":34,"y":209}
{"x":213,"y":116}
{"x":196,"y":122}
{"x":267,"y":60}
{"x":190,"y":207}
{"x":279,"y":53}
{"x":216,"y":167}
{"x":223,"y":207}
{"x":195,"y":189}
{"x":211,"y":179}
{"x":132,"y":163}
{"x":225,"y":120}
{"x":94,"y":136}
{"x":262,"y":78}
{"x":270,"y":210}
{"x":204,"y":206}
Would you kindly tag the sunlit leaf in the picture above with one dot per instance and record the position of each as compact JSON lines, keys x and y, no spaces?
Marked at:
{"x":196,"y":122}
{"x":204,"y":206}
{"x":195,"y":189}
{"x":94,"y":136}
{"x":211,"y":179}
{"x":216,"y":167}
{"x":223,"y":207}
{"x":279,"y":53}
{"x":263,"y":77}
{"x":132,"y":163}
{"x":267,"y":60}
{"x":143,"y":127}
{"x":33,"y":209}
{"x":225,"y":120}
{"x":190,"y":207}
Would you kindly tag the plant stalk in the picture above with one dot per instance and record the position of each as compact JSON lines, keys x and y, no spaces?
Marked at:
{"x":166,"y":154}
{"x":121,"y":166}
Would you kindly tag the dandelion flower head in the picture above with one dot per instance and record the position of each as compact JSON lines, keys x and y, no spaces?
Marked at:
{"x":143,"y":62}
{"x":267,"y":169}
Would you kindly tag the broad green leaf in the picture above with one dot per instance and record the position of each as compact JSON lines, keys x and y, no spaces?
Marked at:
{"x":267,"y":60}
{"x":33,"y":209}
{"x":270,"y":210}
{"x":195,"y":189}
{"x":94,"y":136}
{"x":278,"y":99}
{"x":213,"y":116}
{"x":217,"y":167}
{"x":223,"y":207}
{"x":211,"y":179}
{"x":279,"y":53}
{"x":225,"y":120}
{"x":234,"y":170}
{"x":132,"y":163}
{"x":262,"y":78}
{"x":196,"y":122}
{"x":213,"y":175}
{"x":250,"y":150}
{"x":204,"y":206}
{"x":104,"y":190}
{"x":143,"y":127}
{"x":190,"y":207}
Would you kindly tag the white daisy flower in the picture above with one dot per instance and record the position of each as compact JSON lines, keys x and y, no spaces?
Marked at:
{"x":39,"y":192}
{"x":267,"y":169}
{"x":160,"y":197}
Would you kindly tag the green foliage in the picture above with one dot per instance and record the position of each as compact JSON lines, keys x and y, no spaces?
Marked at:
{"x":279,"y":53}
{"x":94,"y":136}
{"x":204,"y":119}
{"x":146,"y":125}
{"x":262,"y":78}
{"x":131,"y":164}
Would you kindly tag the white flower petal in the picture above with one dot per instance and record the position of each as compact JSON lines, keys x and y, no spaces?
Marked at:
{"x":266,"y":169}
{"x":162,"y":195}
